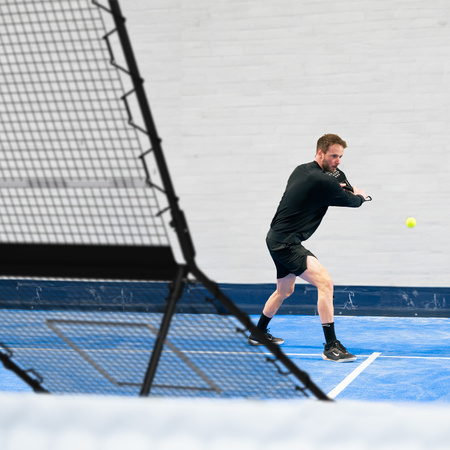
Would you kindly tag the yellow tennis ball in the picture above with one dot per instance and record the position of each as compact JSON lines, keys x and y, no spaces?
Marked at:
{"x":410,"y":222}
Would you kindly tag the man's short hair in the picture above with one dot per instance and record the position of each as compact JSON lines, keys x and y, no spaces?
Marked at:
{"x":329,"y":139}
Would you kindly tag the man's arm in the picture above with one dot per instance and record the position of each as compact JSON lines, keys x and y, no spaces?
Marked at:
{"x":338,"y":196}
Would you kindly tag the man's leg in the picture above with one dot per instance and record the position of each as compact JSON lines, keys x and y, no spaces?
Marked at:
{"x":318,"y":276}
{"x":285,"y":288}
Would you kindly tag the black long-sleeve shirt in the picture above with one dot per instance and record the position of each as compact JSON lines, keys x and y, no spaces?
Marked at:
{"x":309,"y":192}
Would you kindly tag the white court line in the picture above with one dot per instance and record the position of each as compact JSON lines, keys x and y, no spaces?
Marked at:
{"x":415,"y":357}
{"x":344,"y":383}
{"x":319,"y":355}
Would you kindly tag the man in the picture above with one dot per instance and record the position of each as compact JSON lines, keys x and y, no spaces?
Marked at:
{"x":310,"y":190}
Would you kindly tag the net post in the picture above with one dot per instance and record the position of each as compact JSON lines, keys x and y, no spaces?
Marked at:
{"x":174,"y":296}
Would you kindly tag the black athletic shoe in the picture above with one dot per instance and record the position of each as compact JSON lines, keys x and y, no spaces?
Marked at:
{"x":335,"y":351}
{"x":253,"y":340}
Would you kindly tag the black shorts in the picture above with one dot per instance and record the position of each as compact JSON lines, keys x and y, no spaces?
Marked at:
{"x":288,"y":258}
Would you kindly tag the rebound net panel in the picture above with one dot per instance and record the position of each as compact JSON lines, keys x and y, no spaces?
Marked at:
{"x":75,"y":184}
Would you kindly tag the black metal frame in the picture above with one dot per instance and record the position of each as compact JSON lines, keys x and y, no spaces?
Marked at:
{"x":28,"y":376}
{"x":181,"y":228}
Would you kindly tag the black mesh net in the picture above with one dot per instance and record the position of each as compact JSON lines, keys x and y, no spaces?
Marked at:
{"x":71,"y":168}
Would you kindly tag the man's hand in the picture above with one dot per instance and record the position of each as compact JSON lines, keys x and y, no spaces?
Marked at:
{"x":357,"y":191}
{"x":354,"y":190}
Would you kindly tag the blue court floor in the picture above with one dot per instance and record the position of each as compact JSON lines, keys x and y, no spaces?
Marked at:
{"x":399,"y":359}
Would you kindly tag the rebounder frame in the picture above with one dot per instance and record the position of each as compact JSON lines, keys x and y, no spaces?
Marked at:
{"x":180,"y":225}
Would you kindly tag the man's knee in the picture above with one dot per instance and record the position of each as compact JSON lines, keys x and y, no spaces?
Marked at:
{"x":325,"y":284}
{"x":286,"y":286}
{"x":286,"y":291}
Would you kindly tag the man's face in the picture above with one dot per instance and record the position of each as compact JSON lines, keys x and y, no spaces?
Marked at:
{"x":330,"y":160}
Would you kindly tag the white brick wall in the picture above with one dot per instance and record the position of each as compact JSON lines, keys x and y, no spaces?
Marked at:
{"x":242,"y":90}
